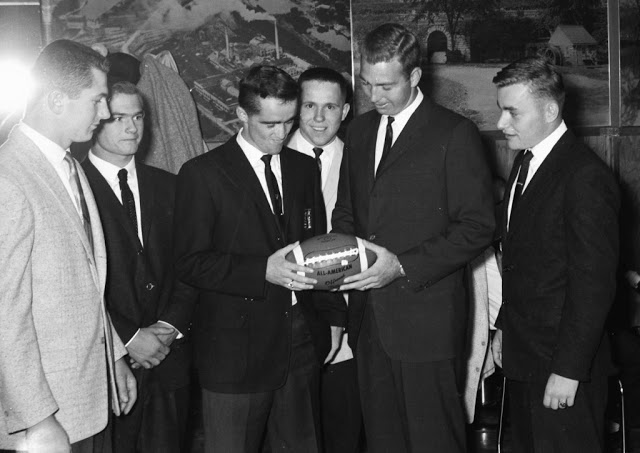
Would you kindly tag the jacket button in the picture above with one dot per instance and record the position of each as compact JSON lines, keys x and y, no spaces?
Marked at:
{"x":150,"y":286}
{"x":140,"y":252}
{"x":504,"y":301}
{"x":372,"y":237}
{"x":286,"y":314}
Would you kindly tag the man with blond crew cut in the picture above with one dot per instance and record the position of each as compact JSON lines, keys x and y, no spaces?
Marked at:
{"x":324,"y":95}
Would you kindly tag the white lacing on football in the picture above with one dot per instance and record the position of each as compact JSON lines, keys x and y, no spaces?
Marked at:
{"x":337,"y":256}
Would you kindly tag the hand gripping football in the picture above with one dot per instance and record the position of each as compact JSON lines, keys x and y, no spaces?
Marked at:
{"x":333,"y":257}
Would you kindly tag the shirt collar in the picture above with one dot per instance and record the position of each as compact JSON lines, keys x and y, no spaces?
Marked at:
{"x":305,"y":146}
{"x":52,"y":151}
{"x":400,"y":119}
{"x":542,"y":149}
{"x":253,"y":154}
{"x":110,"y":171}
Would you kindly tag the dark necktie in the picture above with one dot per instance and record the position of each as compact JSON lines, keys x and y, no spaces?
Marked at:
{"x":388,"y":141}
{"x":78,"y":194}
{"x":127,"y":199}
{"x":318,"y":151}
{"x":522,"y":178}
{"x":272,"y":185}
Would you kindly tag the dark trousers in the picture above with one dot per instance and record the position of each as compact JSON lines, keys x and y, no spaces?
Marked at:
{"x":537,"y":429}
{"x":287,"y":419}
{"x":407,"y":407}
{"x":340,"y":408}
{"x":157,"y":422}
{"x":98,"y":443}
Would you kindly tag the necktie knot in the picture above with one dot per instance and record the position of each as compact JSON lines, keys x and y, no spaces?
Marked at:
{"x":318,"y":152}
{"x":266,"y":159}
{"x":390,"y":120}
{"x":122,"y":175}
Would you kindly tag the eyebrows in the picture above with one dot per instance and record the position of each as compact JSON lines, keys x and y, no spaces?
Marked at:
{"x":278,"y":121}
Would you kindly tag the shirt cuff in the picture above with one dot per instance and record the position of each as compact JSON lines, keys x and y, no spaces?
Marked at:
{"x":131,"y":339}
{"x":173,"y":327}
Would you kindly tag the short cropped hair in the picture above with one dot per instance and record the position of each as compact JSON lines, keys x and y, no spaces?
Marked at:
{"x":545,"y":82}
{"x":66,"y":66}
{"x":391,"y":41}
{"x":124,"y":87}
{"x":266,"y":82}
{"x":321,"y":74}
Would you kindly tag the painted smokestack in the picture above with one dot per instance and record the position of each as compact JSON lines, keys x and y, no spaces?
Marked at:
{"x":226,"y":40}
{"x":275,"y":27}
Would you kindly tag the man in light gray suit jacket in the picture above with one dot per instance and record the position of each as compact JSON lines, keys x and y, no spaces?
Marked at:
{"x":58,"y":349}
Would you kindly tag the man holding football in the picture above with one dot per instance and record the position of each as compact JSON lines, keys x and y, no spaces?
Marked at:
{"x":415,"y":184}
{"x":259,"y":337}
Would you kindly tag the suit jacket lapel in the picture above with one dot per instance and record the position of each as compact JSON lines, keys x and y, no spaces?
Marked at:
{"x":288,"y":191}
{"x":148,"y":206}
{"x":45,"y":172}
{"x":553,"y":163}
{"x":242,"y":174}
{"x":369,"y":148}
{"x":406,"y":139}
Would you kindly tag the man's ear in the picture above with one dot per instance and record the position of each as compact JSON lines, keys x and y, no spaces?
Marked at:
{"x":345,"y":111}
{"x":56,"y":101}
{"x":551,"y":111}
{"x":415,"y":76}
{"x":242,"y":114}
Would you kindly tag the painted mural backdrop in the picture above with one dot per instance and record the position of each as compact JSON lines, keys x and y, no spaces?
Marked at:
{"x":213,"y":42}
{"x":466,"y":42}
{"x":630,"y":61}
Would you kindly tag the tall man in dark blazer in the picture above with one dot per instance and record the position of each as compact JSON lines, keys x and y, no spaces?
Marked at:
{"x":148,"y":306}
{"x":418,"y":188}
{"x":560,"y":253}
{"x":259,"y":338}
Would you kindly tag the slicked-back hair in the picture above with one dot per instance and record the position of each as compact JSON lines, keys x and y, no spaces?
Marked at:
{"x":321,"y":74}
{"x":544,"y":81}
{"x":124,"y":87}
{"x":66,"y":66}
{"x":389,"y":42}
{"x":263,"y":82}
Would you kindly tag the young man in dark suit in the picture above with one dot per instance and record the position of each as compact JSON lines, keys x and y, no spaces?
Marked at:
{"x":259,"y":338}
{"x":415,"y":184}
{"x":560,"y":254}
{"x":324,"y":104}
{"x":151,"y":310}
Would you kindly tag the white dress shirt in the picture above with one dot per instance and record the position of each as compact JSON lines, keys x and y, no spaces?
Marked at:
{"x":55,"y":155}
{"x":110,"y":173}
{"x":302,"y":145}
{"x":540,"y":153}
{"x":399,"y":122}
{"x":254,"y":155}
